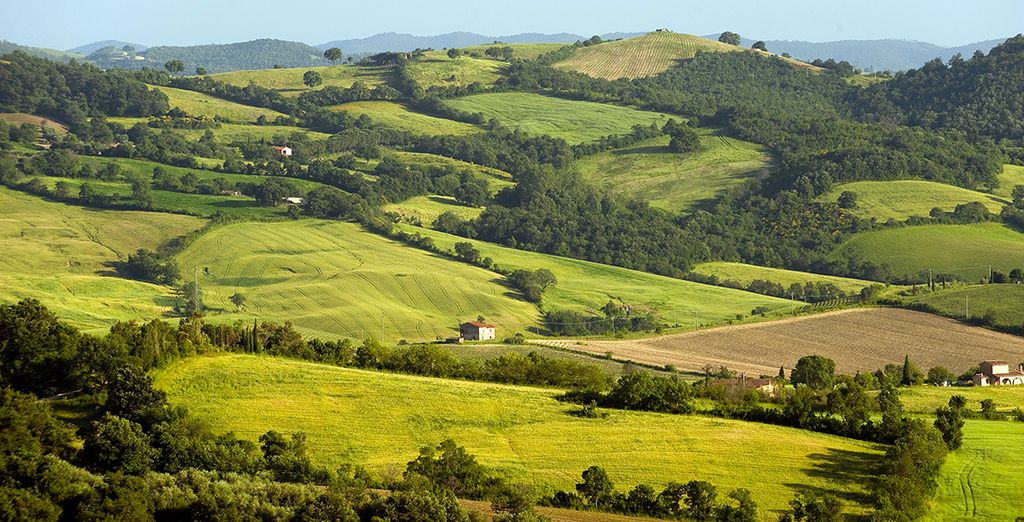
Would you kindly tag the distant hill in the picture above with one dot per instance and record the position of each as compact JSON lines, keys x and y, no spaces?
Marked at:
{"x":53,"y":54}
{"x":257,"y":54}
{"x":873,"y":55}
{"x":90,"y":48}
{"x":406,"y":42}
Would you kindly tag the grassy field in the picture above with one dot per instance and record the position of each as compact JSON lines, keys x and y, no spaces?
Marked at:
{"x":638,"y":57}
{"x":234,"y":132}
{"x":863,"y":339}
{"x":59,"y":254}
{"x":583,"y":285}
{"x":178,"y":202}
{"x":523,"y":432}
{"x":436,"y":69}
{"x":199,"y":104}
{"x":982,"y":480}
{"x":496,"y":179}
{"x":425,"y":209}
{"x":398,"y":116}
{"x":674,"y":182}
{"x":885,"y":200}
{"x":1005,"y":301}
{"x":289,"y":81}
{"x":573,"y":121}
{"x":965,"y":250}
{"x":925,"y":399}
{"x":145,"y":168}
{"x":744,"y":273}
{"x":525,"y":51}
{"x":332,"y":279}
{"x":1011,"y":176}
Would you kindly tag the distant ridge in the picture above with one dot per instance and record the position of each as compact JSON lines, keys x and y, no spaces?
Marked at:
{"x":53,"y":54}
{"x":90,"y":48}
{"x":384,"y":42}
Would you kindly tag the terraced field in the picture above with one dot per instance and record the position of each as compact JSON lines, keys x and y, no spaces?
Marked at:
{"x":885,"y":200}
{"x":436,"y":69}
{"x":1005,"y":302}
{"x":672,"y":181}
{"x":523,"y":432}
{"x":1011,"y":176}
{"x":199,"y":104}
{"x":744,"y":274}
{"x":332,"y":279}
{"x":583,"y":285}
{"x":398,"y":116}
{"x":289,"y":81}
{"x":59,"y":254}
{"x":964,"y":250}
{"x":857,"y":339}
{"x":639,"y":57}
{"x":574,"y":121}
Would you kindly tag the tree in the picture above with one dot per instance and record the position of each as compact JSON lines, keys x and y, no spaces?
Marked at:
{"x":745,"y":509}
{"x":730,"y":38}
{"x":174,"y":66}
{"x":684,"y":138}
{"x":272,"y":191}
{"x":142,"y":191}
{"x":130,"y":392}
{"x":200,"y":71}
{"x":118,"y":444}
{"x":759,"y":45}
{"x":333,"y":54}
{"x":847,"y":199}
{"x":596,"y":486}
{"x":938,"y":375}
{"x":238,"y":300}
{"x":949,"y":420}
{"x":699,"y":497}
{"x":312,"y":79}
{"x":454,"y":53}
{"x":815,"y":371}
{"x":467,"y":252}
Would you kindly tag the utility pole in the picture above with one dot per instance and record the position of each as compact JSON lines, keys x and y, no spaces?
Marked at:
{"x":967,"y":306}
{"x":931,"y":286}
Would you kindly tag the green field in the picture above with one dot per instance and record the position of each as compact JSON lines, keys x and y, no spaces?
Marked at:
{"x":60,"y":253}
{"x":235,"y":132}
{"x":425,"y":209}
{"x":583,"y":285}
{"x":885,"y":200}
{"x":145,"y":168}
{"x":671,"y":181}
{"x":436,"y":69}
{"x":1011,"y":176}
{"x":964,"y":250}
{"x":289,"y":81}
{"x":638,"y":57}
{"x":333,"y":279}
{"x":1005,"y":301}
{"x":528,"y":51}
{"x":573,"y":121}
{"x":983,"y":480}
{"x":398,"y":116}
{"x":379,"y":420}
{"x":925,"y":400}
{"x":744,"y":274}
{"x":199,"y":104}
{"x":496,"y":179}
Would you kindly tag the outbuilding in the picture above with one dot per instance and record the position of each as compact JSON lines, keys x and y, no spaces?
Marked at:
{"x":476,"y":331}
{"x":284,"y":151}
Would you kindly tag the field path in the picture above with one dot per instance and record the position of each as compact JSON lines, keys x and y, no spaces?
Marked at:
{"x":860,"y":339}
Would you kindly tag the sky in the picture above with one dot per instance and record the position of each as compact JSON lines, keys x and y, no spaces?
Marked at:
{"x":63,"y":24}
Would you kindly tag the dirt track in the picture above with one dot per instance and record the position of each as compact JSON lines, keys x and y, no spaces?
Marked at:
{"x":857,"y":339}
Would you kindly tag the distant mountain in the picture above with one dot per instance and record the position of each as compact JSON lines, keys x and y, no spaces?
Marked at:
{"x":257,"y":54}
{"x":90,"y":48}
{"x":53,"y":54}
{"x":383,"y":42}
{"x":873,"y":55}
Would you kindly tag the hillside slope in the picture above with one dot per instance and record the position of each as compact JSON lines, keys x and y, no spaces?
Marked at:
{"x":639,"y":57}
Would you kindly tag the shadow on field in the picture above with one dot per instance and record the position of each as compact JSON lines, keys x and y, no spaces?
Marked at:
{"x":851,"y":469}
{"x":653,"y":149}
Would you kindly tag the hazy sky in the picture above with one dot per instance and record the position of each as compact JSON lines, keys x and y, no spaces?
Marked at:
{"x":64,"y":24}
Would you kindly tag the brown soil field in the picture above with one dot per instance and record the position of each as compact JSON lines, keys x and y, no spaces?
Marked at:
{"x":862,"y":339}
{"x":18,"y":118}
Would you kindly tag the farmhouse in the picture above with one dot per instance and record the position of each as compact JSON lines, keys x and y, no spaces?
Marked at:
{"x":996,"y":373}
{"x":476,"y":331}
{"x":284,"y":151}
{"x":293,"y":200}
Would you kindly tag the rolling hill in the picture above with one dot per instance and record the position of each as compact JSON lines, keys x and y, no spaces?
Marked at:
{"x":436,"y":69}
{"x":288,"y":81}
{"x":398,"y":116}
{"x":199,"y":104}
{"x":523,"y":432}
{"x":900,"y":199}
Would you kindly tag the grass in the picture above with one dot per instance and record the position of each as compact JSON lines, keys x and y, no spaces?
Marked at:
{"x":744,"y":274}
{"x":583,"y":285}
{"x":671,"y":181}
{"x":1006,"y":302}
{"x":145,"y":168}
{"x":178,"y":202}
{"x":898,"y":200}
{"x":381,"y":420}
{"x":436,"y":69}
{"x":199,"y":104}
{"x":289,"y":81}
{"x":1011,"y":176}
{"x":925,"y":399}
{"x":647,"y":55}
{"x":573,"y":121}
{"x":425,"y":209}
{"x":483,"y":352}
{"x":965,"y":250}
{"x":333,"y":279}
{"x":398,"y":116}
{"x":60,"y":253}
{"x":524,"y":51}
{"x":496,"y":179}
{"x":982,"y":480}
{"x":228,"y":133}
